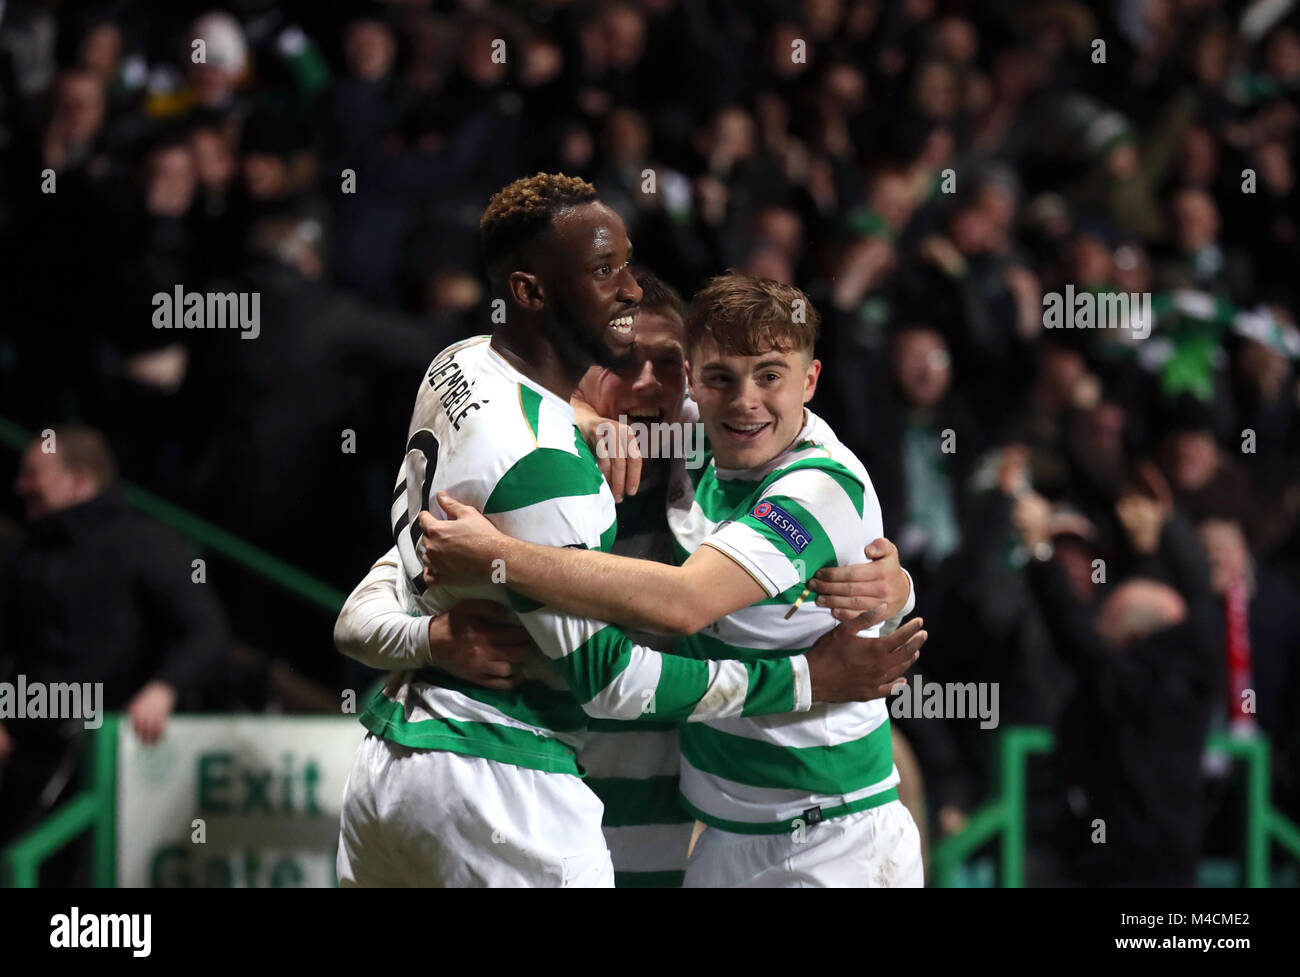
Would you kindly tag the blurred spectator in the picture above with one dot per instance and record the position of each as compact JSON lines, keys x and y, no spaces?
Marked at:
{"x":1205,"y":479}
{"x":309,"y":395}
{"x":1130,"y":741}
{"x":94,"y":593}
{"x":1196,"y":258}
{"x":1260,"y":620}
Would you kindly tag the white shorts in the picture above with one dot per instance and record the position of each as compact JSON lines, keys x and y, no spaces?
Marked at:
{"x":429,"y":818}
{"x":876,"y":848}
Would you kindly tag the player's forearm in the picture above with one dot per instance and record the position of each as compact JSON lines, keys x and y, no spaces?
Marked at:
{"x":390,"y":644}
{"x":374,"y":629}
{"x":615,"y":679}
{"x":640,"y":594}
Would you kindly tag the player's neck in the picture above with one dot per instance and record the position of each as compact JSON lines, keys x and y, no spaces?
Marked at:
{"x":539,"y":361}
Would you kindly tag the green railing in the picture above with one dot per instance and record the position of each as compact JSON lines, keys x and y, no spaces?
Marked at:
{"x":1004,"y":813}
{"x":93,"y":809}
{"x":210,"y":537}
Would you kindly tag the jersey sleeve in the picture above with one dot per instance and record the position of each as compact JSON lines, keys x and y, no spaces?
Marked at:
{"x":808,"y":518}
{"x":610,"y":675}
{"x":374,"y":627}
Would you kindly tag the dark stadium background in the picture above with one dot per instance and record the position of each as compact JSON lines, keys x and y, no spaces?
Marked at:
{"x":925,"y":171}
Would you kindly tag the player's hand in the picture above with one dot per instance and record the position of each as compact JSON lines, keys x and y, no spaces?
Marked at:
{"x":150,"y":710}
{"x":850,"y":590}
{"x":462,"y":549}
{"x":843,"y":667}
{"x":618,"y":453}
{"x":6,"y":745}
{"x":615,"y":445}
{"x":481,"y":642}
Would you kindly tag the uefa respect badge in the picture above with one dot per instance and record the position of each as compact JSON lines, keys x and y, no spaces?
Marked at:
{"x":786,"y":525}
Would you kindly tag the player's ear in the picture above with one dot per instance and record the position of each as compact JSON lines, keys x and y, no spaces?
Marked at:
{"x":810,"y":379}
{"x":526,"y":289}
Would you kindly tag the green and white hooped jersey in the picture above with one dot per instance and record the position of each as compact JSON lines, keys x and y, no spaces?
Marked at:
{"x":633,"y":767}
{"x":811,"y":507}
{"x":484,"y":432}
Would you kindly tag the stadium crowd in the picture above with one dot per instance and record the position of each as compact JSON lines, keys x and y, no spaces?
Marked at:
{"x":1105,"y":523}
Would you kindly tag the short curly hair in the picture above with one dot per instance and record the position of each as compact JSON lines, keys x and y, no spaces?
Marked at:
{"x":518,"y":213}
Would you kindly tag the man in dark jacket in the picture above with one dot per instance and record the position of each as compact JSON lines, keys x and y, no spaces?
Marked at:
{"x":94,"y":593}
{"x":1131,"y":739}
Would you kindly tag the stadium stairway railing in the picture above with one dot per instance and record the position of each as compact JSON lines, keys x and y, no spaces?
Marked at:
{"x":1003,"y":816}
{"x":94,"y":808}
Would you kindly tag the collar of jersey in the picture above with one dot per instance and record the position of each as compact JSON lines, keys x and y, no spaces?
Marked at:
{"x":510,"y":371}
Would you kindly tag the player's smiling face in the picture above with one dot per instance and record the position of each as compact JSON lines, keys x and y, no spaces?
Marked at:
{"x":592,"y":294}
{"x":751,"y":406}
{"x":650,"y":387}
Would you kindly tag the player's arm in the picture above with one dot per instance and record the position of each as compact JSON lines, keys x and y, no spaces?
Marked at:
{"x":613,"y":677}
{"x":746,"y":560}
{"x":642,"y":594}
{"x":476,"y":640}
